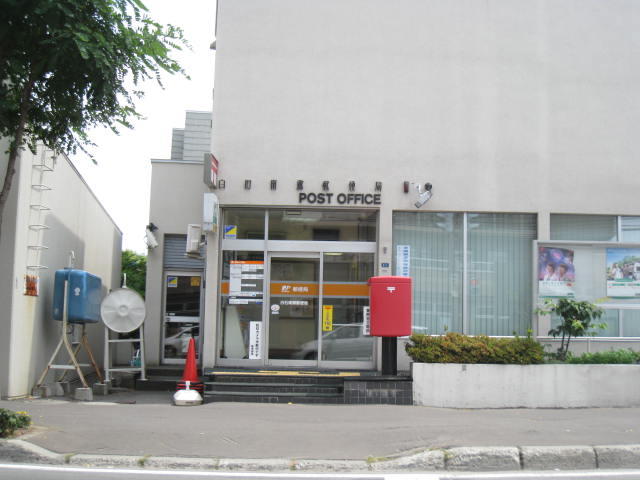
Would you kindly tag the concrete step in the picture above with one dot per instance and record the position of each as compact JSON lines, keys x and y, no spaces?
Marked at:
{"x":273,"y":387}
{"x":273,"y":397}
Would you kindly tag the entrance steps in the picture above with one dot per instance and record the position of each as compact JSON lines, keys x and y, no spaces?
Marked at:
{"x":272,"y":386}
{"x":275,"y":386}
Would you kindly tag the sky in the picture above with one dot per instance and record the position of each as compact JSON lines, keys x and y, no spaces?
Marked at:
{"x":121,"y":178}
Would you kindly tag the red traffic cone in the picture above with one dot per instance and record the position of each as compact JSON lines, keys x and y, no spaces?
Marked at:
{"x":190,"y":369}
{"x":189,"y":390}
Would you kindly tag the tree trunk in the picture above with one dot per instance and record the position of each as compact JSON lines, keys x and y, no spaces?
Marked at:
{"x":16,"y":145}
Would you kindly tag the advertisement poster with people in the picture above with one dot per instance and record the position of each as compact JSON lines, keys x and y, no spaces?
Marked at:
{"x":623,"y":272}
{"x":556,"y":273}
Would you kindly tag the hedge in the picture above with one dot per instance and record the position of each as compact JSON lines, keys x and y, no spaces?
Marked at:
{"x":457,"y":348}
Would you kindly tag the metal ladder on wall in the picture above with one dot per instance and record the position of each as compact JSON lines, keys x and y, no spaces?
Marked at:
{"x":42,"y":163}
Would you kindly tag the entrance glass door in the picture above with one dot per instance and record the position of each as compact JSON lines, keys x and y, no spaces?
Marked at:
{"x":293,"y":309}
{"x":345,"y":293}
{"x":181,"y":319}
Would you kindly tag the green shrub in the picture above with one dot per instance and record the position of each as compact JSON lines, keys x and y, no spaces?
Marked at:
{"x":458,"y":348}
{"x":11,"y":421}
{"x":623,"y":355}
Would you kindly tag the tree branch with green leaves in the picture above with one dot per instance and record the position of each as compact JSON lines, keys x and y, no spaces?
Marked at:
{"x":578,"y":320}
{"x":67,"y":66}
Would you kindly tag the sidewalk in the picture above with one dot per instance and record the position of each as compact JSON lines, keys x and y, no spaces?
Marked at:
{"x":147,"y":429}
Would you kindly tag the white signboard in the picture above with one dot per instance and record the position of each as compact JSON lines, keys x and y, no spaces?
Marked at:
{"x":403,"y":259}
{"x":255,"y":340}
{"x":366,"y":322}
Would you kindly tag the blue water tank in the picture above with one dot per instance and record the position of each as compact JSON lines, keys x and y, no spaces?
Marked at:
{"x":84,"y":296}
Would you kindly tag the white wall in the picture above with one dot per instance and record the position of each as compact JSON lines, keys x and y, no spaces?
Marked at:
{"x":503,"y":106}
{"x":176,"y":201}
{"x":525,"y":386}
{"x":7,"y":242}
{"x":77,"y":222}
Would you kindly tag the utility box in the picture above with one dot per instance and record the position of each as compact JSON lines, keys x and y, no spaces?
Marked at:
{"x":84,"y":295}
{"x":390,"y":304}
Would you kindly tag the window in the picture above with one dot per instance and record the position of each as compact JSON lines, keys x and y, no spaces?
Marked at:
{"x":471,"y":272}
{"x":322,"y":225}
{"x":596,"y":228}
{"x":594,"y":265}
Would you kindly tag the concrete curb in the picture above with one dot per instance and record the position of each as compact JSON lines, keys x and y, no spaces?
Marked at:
{"x":618,"y":456}
{"x":40,"y":453}
{"x":563,"y":458}
{"x":482,"y":459}
{"x":459,"y":459}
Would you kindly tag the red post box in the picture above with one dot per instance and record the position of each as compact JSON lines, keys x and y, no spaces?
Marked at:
{"x":390,"y":306}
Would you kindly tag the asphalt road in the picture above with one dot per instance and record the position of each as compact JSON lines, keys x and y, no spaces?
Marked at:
{"x":28,"y":472}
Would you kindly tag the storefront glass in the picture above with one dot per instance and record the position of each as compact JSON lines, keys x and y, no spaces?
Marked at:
{"x":322,"y":225}
{"x":293,"y":308}
{"x":599,"y":228}
{"x":241,"y":305}
{"x":298,"y":298}
{"x":431,"y":247}
{"x":607,"y":274}
{"x":345,"y":294}
{"x":471,"y":272}
{"x":243,"y":224}
{"x":499,"y":272}
{"x":182,"y":302}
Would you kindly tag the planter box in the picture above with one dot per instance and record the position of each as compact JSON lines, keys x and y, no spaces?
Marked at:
{"x":531,"y":386}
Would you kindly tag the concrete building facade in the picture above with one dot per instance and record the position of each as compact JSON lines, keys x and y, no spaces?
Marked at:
{"x":465,"y":144}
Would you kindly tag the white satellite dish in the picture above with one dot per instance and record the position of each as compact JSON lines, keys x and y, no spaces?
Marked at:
{"x":123,"y":310}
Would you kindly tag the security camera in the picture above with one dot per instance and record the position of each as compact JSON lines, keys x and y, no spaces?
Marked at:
{"x":151,"y":239}
{"x":423,"y":198}
{"x":423,"y":195}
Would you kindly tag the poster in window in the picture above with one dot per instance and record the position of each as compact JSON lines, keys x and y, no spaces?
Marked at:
{"x":556,"y":272}
{"x":623,"y":272}
{"x":403,"y":260}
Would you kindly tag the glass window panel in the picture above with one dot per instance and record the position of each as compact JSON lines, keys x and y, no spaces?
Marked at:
{"x":499,"y":272}
{"x":345,"y":289}
{"x":293,"y":323}
{"x":610,"y":318}
{"x":322,"y":225}
{"x":436,"y":266}
{"x":348,"y":267}
{"x":630,"y":229}
{"x":241,"y":301}
{"x":591,"y":264}
{"x":596,"y":228}
{"x":630,"y":323}
{"x":345,"y":341}
{"x":248,"y":223}
{"x":183,"y":296}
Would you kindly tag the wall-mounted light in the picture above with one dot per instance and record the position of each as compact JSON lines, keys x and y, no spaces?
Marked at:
{"x":274,"y":184}
{"x":247,"y":184}
{"x":352,"y":186}
{"x":221,"y":184}
{"x":405,"y":186}
{"x":378,"y":186}
{"x":325,"y":185}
